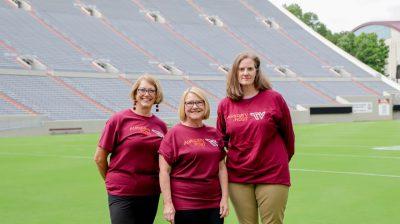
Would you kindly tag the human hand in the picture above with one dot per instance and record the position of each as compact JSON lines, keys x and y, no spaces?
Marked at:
{"x":224,"y":208}
{"x":169,"y":212}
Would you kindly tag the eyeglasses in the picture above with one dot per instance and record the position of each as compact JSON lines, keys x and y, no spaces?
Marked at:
{"x":199,"y":103}
{"x":143,"y":91}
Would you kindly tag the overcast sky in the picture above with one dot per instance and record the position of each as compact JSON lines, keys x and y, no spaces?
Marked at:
{"x":344,"y":15}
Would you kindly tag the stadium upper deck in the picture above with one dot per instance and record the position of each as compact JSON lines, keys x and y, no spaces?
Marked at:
{"x":185,"y":43}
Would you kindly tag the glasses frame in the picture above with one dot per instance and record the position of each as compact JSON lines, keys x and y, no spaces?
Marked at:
{"x":198,"y":103}
{"x":143,"y":91}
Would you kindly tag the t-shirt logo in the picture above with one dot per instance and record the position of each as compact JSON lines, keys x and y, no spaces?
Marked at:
{"x":238,"y":117}
{"x":195,"y":142}
{"x":212,"y":142}
{"x":159,"y":133}
{"x":140,"y":129}
{"x":258,"y":115}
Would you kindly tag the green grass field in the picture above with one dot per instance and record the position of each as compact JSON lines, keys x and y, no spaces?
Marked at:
{"x":337,"y":177}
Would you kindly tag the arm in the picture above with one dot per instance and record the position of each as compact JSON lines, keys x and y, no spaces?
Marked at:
{"x":165,"y":184}
{"x":100,"y":157}
{"x":287,"y":129}
{"x":223,"y":179}
{"x":221,"y":125}
{"x":106,"y":145}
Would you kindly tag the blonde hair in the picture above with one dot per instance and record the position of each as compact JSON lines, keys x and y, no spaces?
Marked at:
{"x":199,"y":93}
{"x":153,"y":81}
{"x":233,"y":88}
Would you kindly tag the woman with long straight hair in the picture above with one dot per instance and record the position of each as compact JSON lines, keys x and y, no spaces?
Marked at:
{"x":257,"y":129}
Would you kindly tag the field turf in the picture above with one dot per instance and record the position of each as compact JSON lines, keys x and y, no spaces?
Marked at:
{"x":337,"y":177}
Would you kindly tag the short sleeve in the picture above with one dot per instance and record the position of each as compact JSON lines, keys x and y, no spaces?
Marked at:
{"x":223,"y":154}
{"x":167,"y":150}
{"x":221,"y":125}
{"x":109,"y":135}
{"x":163,"y":126}
{"x":221,"y":146}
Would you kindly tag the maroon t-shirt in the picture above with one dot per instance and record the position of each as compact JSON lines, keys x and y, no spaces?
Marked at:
{"x":194,"y":155}
{"x":259,"y":135}
{"x":133,"y":142}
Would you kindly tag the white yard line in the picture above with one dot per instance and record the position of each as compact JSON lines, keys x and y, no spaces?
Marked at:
{"x":347,"y":173}
{"x":388,"y":148}
{"x":345,"y":155}
{"x":383,"y":148}
{"x":294,"y":169}
{"x":334,"y":146}
{"x":42,"y":155}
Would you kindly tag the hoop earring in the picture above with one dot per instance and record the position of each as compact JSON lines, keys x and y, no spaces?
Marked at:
{"x":157,"y":110}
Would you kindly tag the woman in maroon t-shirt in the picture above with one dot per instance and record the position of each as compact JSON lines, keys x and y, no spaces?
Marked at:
{"x":193,"y":175}
{"x":256,"y":125}
{"x":132,"y":137}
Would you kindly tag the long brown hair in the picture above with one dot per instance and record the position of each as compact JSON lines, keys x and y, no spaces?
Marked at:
{"x":233,"y":88}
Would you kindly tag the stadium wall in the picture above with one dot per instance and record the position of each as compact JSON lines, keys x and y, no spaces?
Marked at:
{"x":38,"y":125}
{"x":370,"y":108}
{"x":12,"y":122}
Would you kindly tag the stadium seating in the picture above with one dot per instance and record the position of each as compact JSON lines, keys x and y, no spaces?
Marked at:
{"x":323,"y":52}
{"x":27,"y":37}
{"x":46,"y":97}
{"x":8,"y":60}
{"x":6,"y":108}
{"x":183,"y":43}
{"x":379,"y":86}
{"x":336,"y":88}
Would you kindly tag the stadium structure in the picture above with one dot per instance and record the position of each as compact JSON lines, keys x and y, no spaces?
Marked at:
{"x":66,"y":66}
{"x":390,"y":32}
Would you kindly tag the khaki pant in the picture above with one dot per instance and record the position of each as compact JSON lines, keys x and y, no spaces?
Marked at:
{"x":268,"y":199}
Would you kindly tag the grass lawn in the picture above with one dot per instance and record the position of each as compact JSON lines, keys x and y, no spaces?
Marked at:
{"x":337,"y":177}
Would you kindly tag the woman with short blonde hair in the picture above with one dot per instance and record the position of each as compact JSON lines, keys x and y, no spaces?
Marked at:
{"x":132,"y":137}
{"x":193,"y":175}
{"x":198,"y":92}
{"x":159,"y":95}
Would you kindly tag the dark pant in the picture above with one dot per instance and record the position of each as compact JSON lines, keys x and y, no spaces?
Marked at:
{"x":133,"y":209}
{"x":198,"y":216}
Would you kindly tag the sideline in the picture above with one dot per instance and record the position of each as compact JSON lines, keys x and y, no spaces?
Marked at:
{"x":333,"y":146}
{"x":293,"y":169}
{"x":43,"y":155}
{"x":347,"y":173}
{"x":388,"y":148}
{"x":345,"y":155}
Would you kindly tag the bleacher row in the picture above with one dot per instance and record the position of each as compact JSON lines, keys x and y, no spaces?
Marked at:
{"x":61,"y":36}
{"x":46,"y":96}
